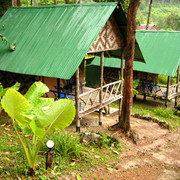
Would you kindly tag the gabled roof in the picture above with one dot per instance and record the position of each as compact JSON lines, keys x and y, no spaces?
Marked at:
{"x":161,"y":51}
{"x":53,"y":40}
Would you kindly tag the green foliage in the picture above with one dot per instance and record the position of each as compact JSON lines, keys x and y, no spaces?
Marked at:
{"x":163,"y":15}
{"x":56,"y":115}
{"x":67,"y":145}
{"x":12,"y":46}
{"x":135,"y":85}
{"x":16,"y":86}
{"x":107,"y":140}
{"x":164,"y":112}
{"x":162,"y":79}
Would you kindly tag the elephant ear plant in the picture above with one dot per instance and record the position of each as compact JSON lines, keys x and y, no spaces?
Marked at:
{"x":3,"y":90}
{"x":41,"y":115}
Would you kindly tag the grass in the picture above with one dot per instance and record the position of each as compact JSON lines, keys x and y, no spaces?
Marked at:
{"x":163,"y":113}
{"x":71,"y":157}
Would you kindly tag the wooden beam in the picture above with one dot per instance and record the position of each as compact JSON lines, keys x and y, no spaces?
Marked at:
{"x":121,"y":89}
{"x":167,"y":92}
{"x":177,"y":89}
{"x":77,"y":101}
{"x":101,"y":88}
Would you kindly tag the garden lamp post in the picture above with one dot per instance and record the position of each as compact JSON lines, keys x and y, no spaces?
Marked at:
{"x":49,"y":155}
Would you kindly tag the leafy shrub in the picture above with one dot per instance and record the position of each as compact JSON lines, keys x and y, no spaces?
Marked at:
{"x":164,"y":112}
{"x":67,"y":145}
{"x":107,"y":140}
{"x":40,"y":115}
{"x":163,"y":80}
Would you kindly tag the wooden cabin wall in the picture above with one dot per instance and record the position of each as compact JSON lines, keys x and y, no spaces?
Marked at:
{"x":143,"y":75}
{"x":52,"y":82}
{"x":111,"y":74}
{"x":9,"y":79}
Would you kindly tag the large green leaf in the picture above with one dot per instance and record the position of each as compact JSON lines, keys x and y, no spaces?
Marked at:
{"x":40,"y":103}
{"x":16,"y":86}
{"x":37,"y":90}
{"x":37,"y":129}
{"x":15,"y":104}
{"x":58,"y":115}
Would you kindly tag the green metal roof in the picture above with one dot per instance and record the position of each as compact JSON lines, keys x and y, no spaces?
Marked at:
{"x":53,"y":40}
{"x":161,"y":51}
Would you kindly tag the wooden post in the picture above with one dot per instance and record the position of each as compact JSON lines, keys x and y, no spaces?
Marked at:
{"x":101,"y":91}
{"x":177,"y":89}
{"x":58,"y":87}
{"x":49,"y":159}
{"x":167,"y":92}
{"x":109,"y":108}
{"x":121,"y":90}
{"x":77,"y":101}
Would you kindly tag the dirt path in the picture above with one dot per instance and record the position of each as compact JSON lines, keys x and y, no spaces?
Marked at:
{"x":155,"y":157}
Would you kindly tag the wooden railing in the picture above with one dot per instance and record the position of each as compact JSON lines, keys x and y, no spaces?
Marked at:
{"x":161,"y":90}
{"x":90,"y":99}
{"x":173,"y":91}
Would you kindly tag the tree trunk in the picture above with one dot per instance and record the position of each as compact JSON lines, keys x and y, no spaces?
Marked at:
{"x":18,"y":2}
{"x":55,"y":1}
{"x":31,"y":2}
{"x":149,"y":14}
{"x":66,"y":1}
{"x":124,"y":122}
{"x":31,"y":171}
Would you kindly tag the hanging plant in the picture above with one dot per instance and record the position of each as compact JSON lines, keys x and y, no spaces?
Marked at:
{"x":11,"y":46}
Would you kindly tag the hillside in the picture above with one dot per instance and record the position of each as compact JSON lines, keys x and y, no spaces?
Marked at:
{"x":164,"y":15}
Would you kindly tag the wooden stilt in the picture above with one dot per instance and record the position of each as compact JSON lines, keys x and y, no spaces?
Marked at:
{"x":109,"y":108}
{"x":177,"y":89}
{"x":58,"y":89}
{"x":144,"y":96}
{"x":42,"y":79}
{"x":77,"y":101}
{"x":101,"y":85}
{"x":49,"y":159}
{"x":167,"y":92}
{"x":121,"y":89}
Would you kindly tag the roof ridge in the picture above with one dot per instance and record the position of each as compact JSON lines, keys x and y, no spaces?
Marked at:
{"x":157,"y":31}
{"x":65,"y":5}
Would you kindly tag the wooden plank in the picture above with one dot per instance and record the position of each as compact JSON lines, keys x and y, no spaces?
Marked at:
{"x":177,"y":89}
{"x":167,"y":92}
{"x":121,"y":88}
{"x":101,"y":87}
{"x":92,"y":109}
{"x":173,"y":96}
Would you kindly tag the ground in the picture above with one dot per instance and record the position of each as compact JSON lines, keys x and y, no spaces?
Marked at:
{"x":155,"y":157}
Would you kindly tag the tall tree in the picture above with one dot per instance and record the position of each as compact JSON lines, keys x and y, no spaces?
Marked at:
{"x":149,"y":14}
{"x":18,"y":2}
{"x":124,"y":122}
